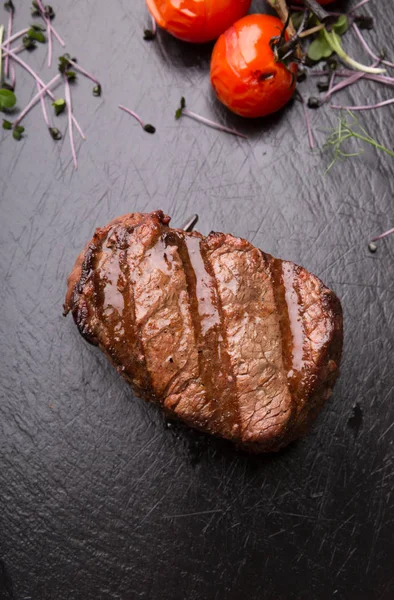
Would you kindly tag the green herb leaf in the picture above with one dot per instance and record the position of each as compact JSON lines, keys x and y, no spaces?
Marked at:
{"x":59,"y":106}
{"x":36,"y":35}
{"x":319,"y":48}
{"x":38,"y":27}
{"x":347,"y":130}
{"x":55,"y":133}
{"x":64,"y":63}
{"x":7,"y":124}
{"x":97,"y":90}
{"x":49,"y":12}
{"x":342,"y":25}
{"x":179,"y":111}
{"x":35,"y":9}
{"x":17,"y":133}
{"x":7,"y":99}
{"x":71,"y":75}
{"x":29,"y":43}
{"x":149,"y":128}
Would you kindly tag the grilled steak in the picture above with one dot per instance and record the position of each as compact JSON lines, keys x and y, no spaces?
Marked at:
{"x":216,"y":332}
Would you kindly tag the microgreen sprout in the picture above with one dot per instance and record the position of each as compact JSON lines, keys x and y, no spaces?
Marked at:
{"x":334,"y":41}
{"x":367,"y":48}
{"x":65,"y":63}
{"x":70,"y":122}
{"x":42,"y":90}
{"x":307,"y":121}
{"x":47,"y":14}
{"x":345,"y":131}
{"x":364,"y":106}
{"x":72,"y":62}
{"x":182,"y":110}
{"x":17,"y":59}
{"x":145,"y":126}
{"x":59,"y":105}
{"x":7,"y":124}
{"x":17,"y":132}
{"x":383,"y":235}
{"x":55,"y":133}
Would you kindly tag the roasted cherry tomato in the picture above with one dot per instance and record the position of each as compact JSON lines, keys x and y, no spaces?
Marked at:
{"x":197,"y":21}
{"x":244,"y":73}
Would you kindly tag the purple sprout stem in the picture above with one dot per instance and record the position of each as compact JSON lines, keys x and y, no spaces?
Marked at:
{"x":308,"y":122}
{"x":43,"y":107}
{"x":50,"y":27}
{"x":364,"y":106}
{"x":359,"y":5}
{"x":383,"y":235}
{"x":347,"y":73}
{"x":367,"y":48}
{"x":332,"y":81}
{"x":41,"y":92}
{"x":349,"y":81}
{"x":49,"y":31}
{"x":39,"y":80}
{"x":50,"y":46}
{"x":83,"y":71}
{"x":9,"y":33}
{"x":70,"y":121}
{"x":196,"y":117}
{"x":14,"y":37}
{"x":133,"y":114}
{"x":339,"y":86}
{"x":13,"y":76}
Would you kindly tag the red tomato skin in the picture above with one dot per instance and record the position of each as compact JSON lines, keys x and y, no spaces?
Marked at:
{"x":197,"y":21}
{"x":244,"y":73}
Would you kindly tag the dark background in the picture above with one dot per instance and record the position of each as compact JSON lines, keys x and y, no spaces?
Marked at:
{"x":99,"y":498}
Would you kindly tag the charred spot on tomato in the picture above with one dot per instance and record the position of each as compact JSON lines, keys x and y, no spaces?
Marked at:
{"x":263,"y":76}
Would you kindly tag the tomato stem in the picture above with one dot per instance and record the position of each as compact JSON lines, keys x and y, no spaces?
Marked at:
{"x":311,"y":31}
{"x":322,"y":15}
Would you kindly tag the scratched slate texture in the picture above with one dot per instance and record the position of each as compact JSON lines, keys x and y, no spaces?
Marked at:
{"x":99,"y":497}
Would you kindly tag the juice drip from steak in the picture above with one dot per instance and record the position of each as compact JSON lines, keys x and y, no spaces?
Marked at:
{"x":209,"y":330}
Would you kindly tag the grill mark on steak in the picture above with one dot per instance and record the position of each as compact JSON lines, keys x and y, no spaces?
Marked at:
{"x":290,"y":320}
{"x":132,"y":331}
{"x":214,"y":362}
{"x":224,"y":398}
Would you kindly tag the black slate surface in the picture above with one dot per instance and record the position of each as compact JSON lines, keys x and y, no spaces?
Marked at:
{"x":99,"y":499}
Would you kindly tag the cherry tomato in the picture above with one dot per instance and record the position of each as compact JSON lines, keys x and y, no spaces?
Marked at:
{"x":244,"y":73}
{"x":197,"y":21}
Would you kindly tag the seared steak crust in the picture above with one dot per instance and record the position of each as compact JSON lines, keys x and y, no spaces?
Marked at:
{"x":218,"y":333}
